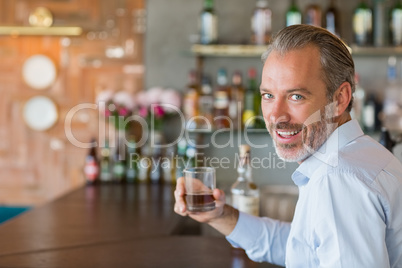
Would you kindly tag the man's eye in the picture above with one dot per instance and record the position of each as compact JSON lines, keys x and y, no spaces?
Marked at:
{"x":267,"y":96}
{"x":296,"y":97}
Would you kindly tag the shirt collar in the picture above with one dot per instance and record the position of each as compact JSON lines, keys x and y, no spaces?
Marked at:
{"x":328,"y":152}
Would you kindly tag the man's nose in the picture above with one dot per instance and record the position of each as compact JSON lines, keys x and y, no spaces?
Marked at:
{"x":278,"y":112}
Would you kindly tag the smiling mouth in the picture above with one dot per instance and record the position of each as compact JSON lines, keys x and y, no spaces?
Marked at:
{"x":287,"y":134}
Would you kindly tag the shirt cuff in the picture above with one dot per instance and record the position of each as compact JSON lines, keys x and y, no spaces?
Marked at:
{"x":246,"y":224}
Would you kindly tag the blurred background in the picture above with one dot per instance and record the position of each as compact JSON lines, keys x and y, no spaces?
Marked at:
{"x":77,"y":55}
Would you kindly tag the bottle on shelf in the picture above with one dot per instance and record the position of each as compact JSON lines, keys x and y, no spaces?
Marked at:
{"x":359,"y":97}
{"x":332,"y":19}
{"x":206,"y":103}
{"x":208,"y":24}
{"x":386,"y":140}
{"x":396,"y":23}
{"x":144,"y":164}
{"x":363,"y":24}
{"x":191,"y":100}
{"x":105,"y":164}
{"x":221,"y":101}
{"x":168,"y":166}
{"x":236,"y":99}
{"x":191,"y":154}
{"x":250,"y":110}
{"x":313,"y":14}
{"x":392,"y":97}
{"x":91,"y":168}
{"x":181,"y":157}
{"x":293,"y":14}
{"x":131,"y":160}
{"x":261,"y":23}
{"x":245,"y":193}
{"x":370,"y":114}
{"x":381,"y":27}
{"x":155,"y":174}
{"x":119,"y":163}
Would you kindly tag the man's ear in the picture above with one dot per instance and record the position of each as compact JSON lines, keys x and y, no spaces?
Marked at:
{"x":342,"y":96}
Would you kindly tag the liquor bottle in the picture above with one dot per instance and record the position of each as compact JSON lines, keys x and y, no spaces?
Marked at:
{"x":105,"y":164}
{"x":208,"y":24}
{"x":191,"y":100}
{"x":313,"y":14}
{"x":261,"y":23}
{"x":396,"y":23}
{"x":380,"y":31}
{"x":168,"y":165}
{"x":386,"y":140}
{"x":359,"y":97}
{"x":119,"y":164}
{"x":91,"y":169}
{"x":363,"y":24}
{"x":392,"y":96}
{"x":245,"y":193}
{"x":236,"y":99}
{"x":191,"y":154}
{"x":206,"y":104}
{"x":155,"y":174}
{"x":250,"y":111}
{"x":131,"y":160}
{"x":332,"y":19}
{"x":221,"y":101}
{"x":293,"y":14}
{"x":181,"y":157}
{"x":369,"y":114}
{"x":144,"y":164}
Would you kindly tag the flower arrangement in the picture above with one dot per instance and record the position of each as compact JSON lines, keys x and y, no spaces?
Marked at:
{"x":117,"y":107}
{"x":156,"y":104}
{"x":153,"y":105}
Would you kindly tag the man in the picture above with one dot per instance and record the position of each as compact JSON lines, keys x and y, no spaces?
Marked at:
{"x":349,"y":212}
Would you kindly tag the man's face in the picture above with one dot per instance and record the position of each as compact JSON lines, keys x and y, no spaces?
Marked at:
{"x":293,"y":96}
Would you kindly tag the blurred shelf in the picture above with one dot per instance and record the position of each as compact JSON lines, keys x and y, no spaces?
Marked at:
{"x":228,"y":50}
{"x":376,"y":51}
{"x":40,"y":31}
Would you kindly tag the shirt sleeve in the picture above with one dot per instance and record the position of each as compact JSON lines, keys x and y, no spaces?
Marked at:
{"x":351,"y":223}
{"x":263,"y":239}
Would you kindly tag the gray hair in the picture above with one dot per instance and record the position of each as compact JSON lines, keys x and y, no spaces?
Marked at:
{"x":336,"y":60}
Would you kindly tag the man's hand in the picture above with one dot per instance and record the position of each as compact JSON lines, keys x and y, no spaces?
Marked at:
{"x":223,"y":217}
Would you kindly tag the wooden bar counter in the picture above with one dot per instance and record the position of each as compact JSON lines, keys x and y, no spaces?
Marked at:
{"x":113,"y":226}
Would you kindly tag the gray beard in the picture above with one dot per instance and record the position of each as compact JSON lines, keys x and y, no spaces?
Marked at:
{"x":314,"y":136}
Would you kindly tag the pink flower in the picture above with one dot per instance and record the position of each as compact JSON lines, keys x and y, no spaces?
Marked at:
{"x":154,"y":95}
{"x":123,"y":111}
{"x":170,"y":97}
{"x":104,"y":96}
{"x":143,"y":112}
{"x":107,"y":113}
{"x":142,"y":99}
{"x":124,"y":98}
{"x":158,"y":111}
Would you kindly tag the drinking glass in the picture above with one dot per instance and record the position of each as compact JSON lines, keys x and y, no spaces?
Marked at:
{"x":199,"y":184}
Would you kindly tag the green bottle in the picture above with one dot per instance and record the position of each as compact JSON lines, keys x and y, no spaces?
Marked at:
{"x":132,"y":161}
{"x":363,"y":24}
{"x":119,"y":165}
{"x":105,"y":164}
{"x":293,"y":14}
{"x":396,"y":24}
{"x":208,"y":24}
{"x":250,"y":100}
